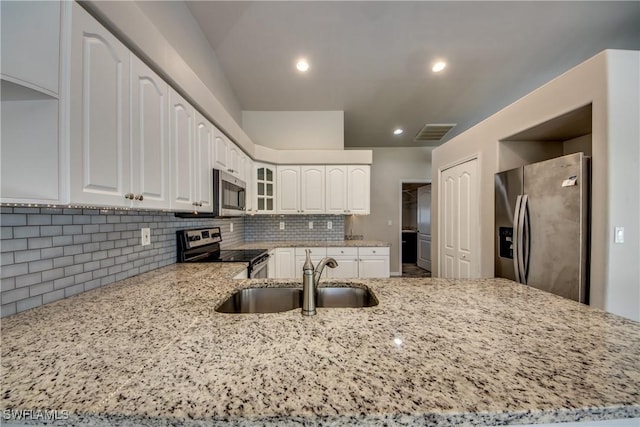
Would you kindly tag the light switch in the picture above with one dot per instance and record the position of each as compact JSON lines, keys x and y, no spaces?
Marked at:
{"x":145,"y":236}
{"x":281,"y":225}
{"x":230,"y":227}
{"x":329,"y":225}
{"x":619,"y":238}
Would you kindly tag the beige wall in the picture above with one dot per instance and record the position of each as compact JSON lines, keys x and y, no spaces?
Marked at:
{"x":390,"y":167}
{"x":609,"y":81}
{"x":295,"y":130}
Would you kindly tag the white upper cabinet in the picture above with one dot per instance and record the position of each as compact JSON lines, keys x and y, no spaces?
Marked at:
{"x":312,"y":189}
{"x":149,"y":138}
{"x":181,"y":123}
{"x":228,"y":157}
{"x":99,"y":154}
{"x":348,"y":189}
{"x":288,"y":190}
{"x":33,"y":164}
{"x":249,"y":173}
{"x":336,"y":189}
{"x":30,"y":35}
{"x":265,"y":188}
{"x":203,"y":172}
{"x":221,"y":143}
{"x":358,"y":189}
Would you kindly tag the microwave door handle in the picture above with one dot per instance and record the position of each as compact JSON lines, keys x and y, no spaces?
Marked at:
{"x":516,"y":239}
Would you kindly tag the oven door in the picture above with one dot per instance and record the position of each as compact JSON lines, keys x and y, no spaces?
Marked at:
{"x":259,"y":270}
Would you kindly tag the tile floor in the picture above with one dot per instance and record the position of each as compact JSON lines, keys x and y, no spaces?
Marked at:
{"x":412,"y":270}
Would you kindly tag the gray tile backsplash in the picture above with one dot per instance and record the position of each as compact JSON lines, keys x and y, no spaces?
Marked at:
{"x":52,"y":253}
{"x":296,"y":227}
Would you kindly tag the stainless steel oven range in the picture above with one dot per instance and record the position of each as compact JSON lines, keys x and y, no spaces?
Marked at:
{"x":203,"y":245}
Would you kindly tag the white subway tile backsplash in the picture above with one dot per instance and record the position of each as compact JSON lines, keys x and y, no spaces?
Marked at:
{"x":53,"y":253}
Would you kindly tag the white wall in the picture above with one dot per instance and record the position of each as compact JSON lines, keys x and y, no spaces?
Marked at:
{"x":157,"y":39}
{"x":390,"y":166}
{"x":177,"y":24}
{"x":611,"y":280}
{"x":295,"y":130}
{"x":622,"y":294}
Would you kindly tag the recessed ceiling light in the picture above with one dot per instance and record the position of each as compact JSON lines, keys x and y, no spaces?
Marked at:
{"x":438,"y":66}
{"x":302,"y":65}
{"x":397,"y":131}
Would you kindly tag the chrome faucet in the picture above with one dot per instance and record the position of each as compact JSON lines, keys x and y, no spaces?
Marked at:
{"x":310,"y":280}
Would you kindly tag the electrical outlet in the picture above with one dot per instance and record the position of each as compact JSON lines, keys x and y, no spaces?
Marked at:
{"x":281,"y":225}
{"x":230,"y":227}
{"x":145,"y":236}
{"x":310,"y":225}
{"x":329,"y":225}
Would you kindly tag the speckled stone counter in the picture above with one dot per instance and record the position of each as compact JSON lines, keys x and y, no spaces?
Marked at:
{"x":151,"y":350}
{"x":313,"y":244}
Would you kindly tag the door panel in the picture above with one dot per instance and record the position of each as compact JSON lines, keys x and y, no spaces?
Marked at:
{"x":559,"y":226}
{"x":336,"y":182}
{"x":182,"y":129}
{"x":460,"y":221}
{"x":424,"y":227}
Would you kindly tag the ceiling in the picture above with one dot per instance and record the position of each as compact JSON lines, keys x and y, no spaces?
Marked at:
{"x":373,"y":59}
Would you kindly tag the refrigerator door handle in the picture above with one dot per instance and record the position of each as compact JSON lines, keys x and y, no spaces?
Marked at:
{"x":516,"y":238}
{"x":525,"y":239}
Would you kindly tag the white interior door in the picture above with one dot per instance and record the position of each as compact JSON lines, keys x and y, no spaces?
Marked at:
{"x":459,"y":222}
{"x":424,"y":227}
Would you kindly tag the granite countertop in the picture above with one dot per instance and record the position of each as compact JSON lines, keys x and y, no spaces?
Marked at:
{"x":151,"y":350}
{"x":312,"y":244}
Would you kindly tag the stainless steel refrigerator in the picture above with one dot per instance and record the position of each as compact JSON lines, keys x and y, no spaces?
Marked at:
{"x":542,"y":225}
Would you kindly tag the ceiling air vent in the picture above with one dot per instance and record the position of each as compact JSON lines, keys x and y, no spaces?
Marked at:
{"x":433,"y":132}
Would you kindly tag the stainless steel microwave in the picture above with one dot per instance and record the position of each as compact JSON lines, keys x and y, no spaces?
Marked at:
{"x":229,"y":196}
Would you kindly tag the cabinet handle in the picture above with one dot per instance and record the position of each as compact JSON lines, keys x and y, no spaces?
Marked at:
{"x":139,"y":197}
{"x":129,"y":196}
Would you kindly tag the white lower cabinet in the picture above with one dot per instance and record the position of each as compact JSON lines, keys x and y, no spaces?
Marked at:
{"x":285,"y":263}
{"x":347,"y":259}
{"x":353,"y":262}
{"x":373,"y":262}
{"x":271,"y":265}
{"x":316,"y":256}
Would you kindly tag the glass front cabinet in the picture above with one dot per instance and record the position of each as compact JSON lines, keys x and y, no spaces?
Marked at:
{"x":265,"y":188}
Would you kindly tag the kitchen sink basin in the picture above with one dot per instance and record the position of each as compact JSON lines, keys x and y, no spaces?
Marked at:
{"x":275,"y":300}
{"x":262,"y":300}
{"x":338,"y":297}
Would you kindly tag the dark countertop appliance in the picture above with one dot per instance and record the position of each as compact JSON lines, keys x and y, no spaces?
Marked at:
{"x":203,"y":245}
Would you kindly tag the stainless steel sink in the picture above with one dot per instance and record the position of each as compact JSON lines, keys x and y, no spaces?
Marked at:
{"x":338,"y":297}
{"x":262,"y":300}
{"x":275,"y":300}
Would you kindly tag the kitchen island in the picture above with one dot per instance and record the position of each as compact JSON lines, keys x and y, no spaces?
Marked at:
{"x":152,"y":350}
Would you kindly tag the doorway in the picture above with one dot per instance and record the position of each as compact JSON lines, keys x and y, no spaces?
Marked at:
{"x":415,"y":248}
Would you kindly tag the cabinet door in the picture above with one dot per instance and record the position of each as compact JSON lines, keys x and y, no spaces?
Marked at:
{"x":203,"y":177}
{"x":234,"y":160}
{"x":347,"y":268}
{"x":358,"y":189}
{"x":285,"y":263}
{"x":149,"y":138}
{"x":312,"y":193}
{"x":221,"y":150}
{"x":265,"y":180}
{"x":250,"y":181}
{"x":373,"y":266}
{"x":99,"y":155}
{"x":336,"y":189}
{"x":271,"y":266}
{"x":31,"y":43}
{"x":181,"y":122}
{"x":288,"y":191}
